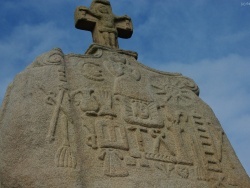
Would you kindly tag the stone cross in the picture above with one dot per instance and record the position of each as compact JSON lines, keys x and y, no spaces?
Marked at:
{"x":104,"y":25}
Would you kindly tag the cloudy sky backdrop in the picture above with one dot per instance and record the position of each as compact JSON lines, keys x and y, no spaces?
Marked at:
{"x":207,"y":40}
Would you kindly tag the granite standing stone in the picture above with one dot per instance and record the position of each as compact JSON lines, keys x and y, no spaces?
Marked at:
{"x":104,"y":120}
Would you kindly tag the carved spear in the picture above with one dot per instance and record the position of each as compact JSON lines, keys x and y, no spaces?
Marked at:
{"x":53,"y":122}
{"x":62,"y":89}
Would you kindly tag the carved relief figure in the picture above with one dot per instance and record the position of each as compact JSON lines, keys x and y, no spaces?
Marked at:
{"x":128,"y":80}
{"x":177,"y":91}
{"x":165,"y":168}
{"x":86,"y":101}
{"x":64,"y":156}
{"x":105,"y":101}
{"x":137,"y":146}
{"x":109,"y":138}
{"x":112,"y":163}
{"x":53,"y":57}
{"x":104,"y":25}
{"x":142,"y":113}
{"x":58,"y":104}
{"x":93,"y":71}
{"x":160,"y":141}
{"x":182,"y":171}
{"x":178,"y":125}
{"x":204,"y":147}
{"x":112,"y":136}
{"x":61,"y":113}
{"x":91,"y":139}
{"x":94,"y":102}
{"x":207,"y":142}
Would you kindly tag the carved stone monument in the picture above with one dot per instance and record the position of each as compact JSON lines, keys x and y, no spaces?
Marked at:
{"x":103,"y":24}
{"x":104,"y":120}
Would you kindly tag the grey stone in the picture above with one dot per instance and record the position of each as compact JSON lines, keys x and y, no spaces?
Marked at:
{"x":103,"y":119}
{"x":104,"y":25}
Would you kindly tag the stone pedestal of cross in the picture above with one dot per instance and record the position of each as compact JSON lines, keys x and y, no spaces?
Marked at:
{"x":104,"y":25}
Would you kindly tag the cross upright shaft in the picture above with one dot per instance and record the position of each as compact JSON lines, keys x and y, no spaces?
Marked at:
{"x":104,"y":25}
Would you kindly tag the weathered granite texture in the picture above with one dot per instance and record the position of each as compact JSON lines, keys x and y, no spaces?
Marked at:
{"x":103,"y":120}
{"x":104,"y":25}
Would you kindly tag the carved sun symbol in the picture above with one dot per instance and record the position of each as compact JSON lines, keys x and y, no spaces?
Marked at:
{"x":176,"y":95}
{"x":174,"y":92}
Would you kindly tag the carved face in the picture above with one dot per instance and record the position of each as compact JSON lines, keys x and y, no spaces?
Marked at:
{"x":93,"y":71}
{"x":104,"y":9}
{"x":56,"y":58}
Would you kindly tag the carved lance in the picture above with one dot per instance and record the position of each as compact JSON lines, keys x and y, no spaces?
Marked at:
{"x":64,"y":156}
{"x":62,"y":89}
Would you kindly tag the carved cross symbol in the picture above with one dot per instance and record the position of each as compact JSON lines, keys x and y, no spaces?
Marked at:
{"x":104,"y":25}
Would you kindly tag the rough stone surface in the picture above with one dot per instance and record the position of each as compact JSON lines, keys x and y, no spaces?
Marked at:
{"x":104,"y":25}
{"x":104,"y":120}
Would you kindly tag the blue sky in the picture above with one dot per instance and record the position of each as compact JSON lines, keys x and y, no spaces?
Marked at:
{"x":206,"y":40}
